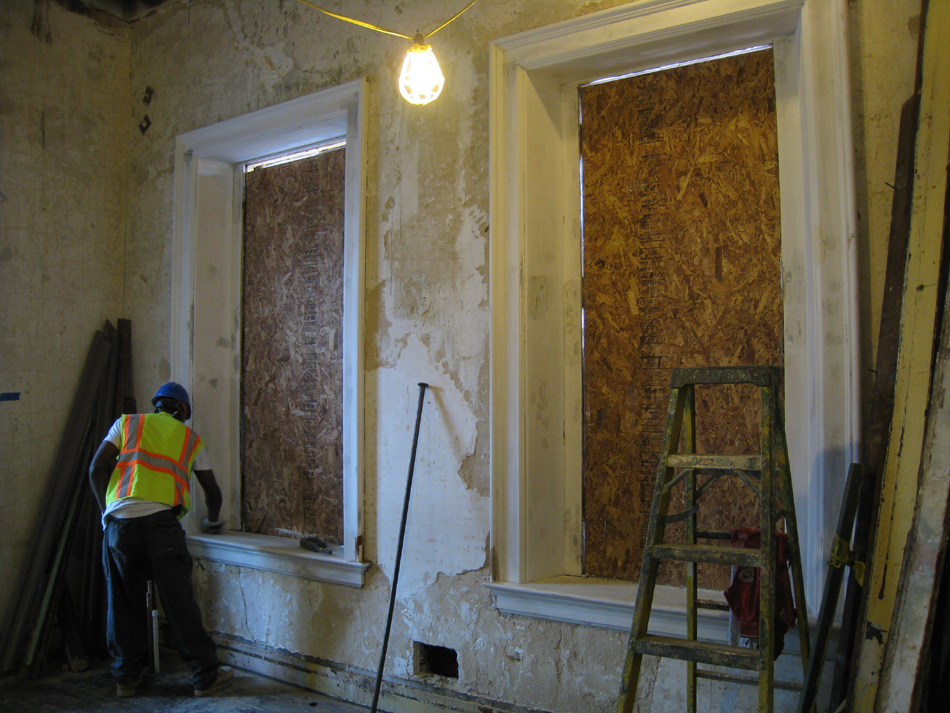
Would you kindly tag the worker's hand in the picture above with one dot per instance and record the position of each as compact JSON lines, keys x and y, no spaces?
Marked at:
{"x":212,"y":528}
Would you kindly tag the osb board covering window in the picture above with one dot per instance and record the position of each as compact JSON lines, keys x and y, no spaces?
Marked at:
{"x":292,"y":381}
{"x":682,"y":260}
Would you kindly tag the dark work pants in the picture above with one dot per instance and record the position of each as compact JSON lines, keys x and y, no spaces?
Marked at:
{"x":134,"y":551}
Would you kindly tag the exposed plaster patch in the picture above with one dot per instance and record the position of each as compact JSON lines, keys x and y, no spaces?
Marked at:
{"x":474,"y":469}
{"x":448,"y":521}
{"x":377,"y":329}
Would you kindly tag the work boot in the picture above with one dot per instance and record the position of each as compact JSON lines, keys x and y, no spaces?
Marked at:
{"x":127,"y":690}
{"x":222,"y":679}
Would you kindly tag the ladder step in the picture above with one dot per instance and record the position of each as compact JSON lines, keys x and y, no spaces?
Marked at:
{"x":713,"y":462}
{"x":699,"y":651}
{"x":711,"y":604}
{"x":714,"y":534}
{"x":707,"y":553}
{"x":758,"y":375}
{"x":744,"y":680}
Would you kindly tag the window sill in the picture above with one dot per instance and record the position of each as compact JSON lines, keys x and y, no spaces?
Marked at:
{"x":281,"y":555}
{"x":608,"y":604}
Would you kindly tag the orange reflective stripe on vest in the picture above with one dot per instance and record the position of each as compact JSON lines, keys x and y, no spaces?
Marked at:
{"x":155,"y":460}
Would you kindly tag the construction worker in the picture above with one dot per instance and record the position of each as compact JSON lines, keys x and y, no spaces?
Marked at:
{"x":140,"y":477}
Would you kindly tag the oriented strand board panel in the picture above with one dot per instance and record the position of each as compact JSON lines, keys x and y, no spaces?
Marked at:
{"x":682,"y":261}
{"x":292,"y":382}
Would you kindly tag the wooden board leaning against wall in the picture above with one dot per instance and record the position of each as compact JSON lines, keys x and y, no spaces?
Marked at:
{"x":292,"y":380}
{"x":682,"y":268}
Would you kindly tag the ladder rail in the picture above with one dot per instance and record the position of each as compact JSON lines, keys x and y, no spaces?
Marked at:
{"x":644,"y":601}
{"x":791,"y":527}
{"x":692,"y":615}
{"x":767,"y":550}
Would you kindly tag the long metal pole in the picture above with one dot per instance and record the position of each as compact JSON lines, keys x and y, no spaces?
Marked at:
{"x":402,"y":536}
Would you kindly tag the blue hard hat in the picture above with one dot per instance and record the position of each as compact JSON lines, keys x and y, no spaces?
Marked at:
{"x":173,"y":390}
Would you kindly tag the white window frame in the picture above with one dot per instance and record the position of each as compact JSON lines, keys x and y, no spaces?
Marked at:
{"x":206,"y":311}
{"x":535,"y":256}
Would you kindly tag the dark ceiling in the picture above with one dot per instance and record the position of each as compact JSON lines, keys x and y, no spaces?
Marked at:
{"x":122,"y":9}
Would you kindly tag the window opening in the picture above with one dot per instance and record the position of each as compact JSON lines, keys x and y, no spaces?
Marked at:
{"x":681,"y":268}
{"x":271,"y":161}
{"x":674,"y":65}
{"x":292,"y":344}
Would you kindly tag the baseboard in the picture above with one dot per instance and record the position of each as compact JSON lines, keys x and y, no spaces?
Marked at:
{"x":355,"y":685}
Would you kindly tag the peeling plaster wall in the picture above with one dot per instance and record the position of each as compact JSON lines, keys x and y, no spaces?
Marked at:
{"x":427,"y":320}
{"x":427,"y":288}
{"x":63,"y":106}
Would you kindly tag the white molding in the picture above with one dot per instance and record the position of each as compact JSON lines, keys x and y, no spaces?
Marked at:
{"x":532,"y":83}
{"x":648,"y":34}
{"x":208,"y":193}
{"x":280,"y":555}
{"x":281,"y":128}
{"x":607,"y":604}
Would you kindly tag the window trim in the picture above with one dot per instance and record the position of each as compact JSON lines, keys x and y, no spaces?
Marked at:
{"x":206,"y":285}
{"x":535,"y":258}
{"x":280,"y":555}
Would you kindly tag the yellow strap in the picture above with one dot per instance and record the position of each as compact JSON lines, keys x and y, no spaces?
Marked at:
{"x":840,"y":552}
{"x":368,"y":26}
{"x":355,"y":22}
{"x":458,"y":14}
{"x":841,"y":555}
{"x":858,"y":569}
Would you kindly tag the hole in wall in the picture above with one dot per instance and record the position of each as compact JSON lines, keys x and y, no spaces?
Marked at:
{"x":437,"y":660}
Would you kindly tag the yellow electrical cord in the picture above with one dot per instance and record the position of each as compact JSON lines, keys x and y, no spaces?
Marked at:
{"x":419,"y":38}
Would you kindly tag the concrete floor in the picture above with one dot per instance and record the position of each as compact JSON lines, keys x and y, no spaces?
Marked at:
{"x":168,"y":692}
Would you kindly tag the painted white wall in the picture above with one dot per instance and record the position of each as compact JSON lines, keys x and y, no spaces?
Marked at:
{"x":427,"y":282}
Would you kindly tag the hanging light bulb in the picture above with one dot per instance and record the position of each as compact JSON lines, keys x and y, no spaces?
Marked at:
{"x":420,"y":80}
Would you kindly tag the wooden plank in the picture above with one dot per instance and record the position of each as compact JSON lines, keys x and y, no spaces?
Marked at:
{"x":124,"y":400}
{"x":882,"y":394}
{"x":904,"y":674}
{"x":75,"y":646}
{"x":682,"y":267}
{"x":829,"y":598}
{"x":915,"y":355}
{"x":78,"y":485}
{"x":292,"y":331}
{"x":49,"y":602}
{"x":35,"y":567}
{"x":699,"y":651}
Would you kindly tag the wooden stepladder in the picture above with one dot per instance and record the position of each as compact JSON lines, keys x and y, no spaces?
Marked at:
{"x":767,"y":475}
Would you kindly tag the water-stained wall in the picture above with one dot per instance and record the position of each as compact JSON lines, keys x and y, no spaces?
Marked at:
{"x":192,"y":63}
{"x":426,"y":320}
{"x":64,"y":99}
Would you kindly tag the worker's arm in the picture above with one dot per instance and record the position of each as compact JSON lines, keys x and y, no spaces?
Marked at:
{"x":100,"y":471}
{"x":213,"y":500}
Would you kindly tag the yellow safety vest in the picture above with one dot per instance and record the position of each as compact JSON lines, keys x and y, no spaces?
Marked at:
{"x":155,"y":460}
